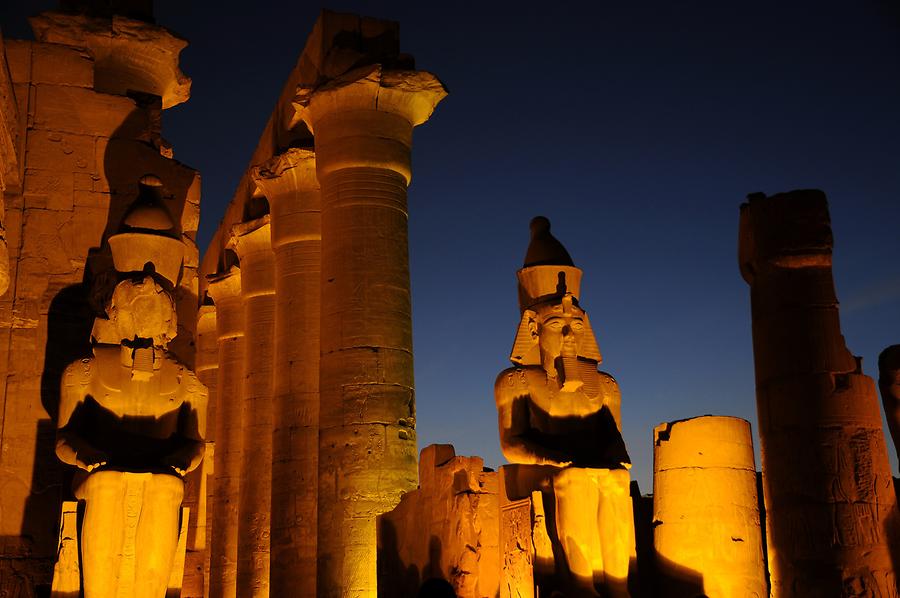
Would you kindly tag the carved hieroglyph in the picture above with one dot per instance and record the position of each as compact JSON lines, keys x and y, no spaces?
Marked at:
{"x":831,"y":509}
{"x":705,"y":508}
{"x":556,"y":410}
{"x":132,"y":418}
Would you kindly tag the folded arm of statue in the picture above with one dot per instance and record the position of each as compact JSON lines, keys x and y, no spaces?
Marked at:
{"x":71,"y":446}
{"x":191,"y":426}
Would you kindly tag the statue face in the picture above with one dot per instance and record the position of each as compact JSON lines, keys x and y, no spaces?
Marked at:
{"x":559,"y":329}
{"x":143,"y":309}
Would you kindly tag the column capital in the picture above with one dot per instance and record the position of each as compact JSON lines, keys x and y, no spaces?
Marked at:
{"x":250,"y":237}
{"x":225,"y":285}
{"x":206,"y":319}
{"x":412,"y":95}
{"x":286,"y":173}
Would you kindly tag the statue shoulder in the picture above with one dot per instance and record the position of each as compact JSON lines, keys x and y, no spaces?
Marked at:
{"x":608,"y":384}
{"x":510,"y":384}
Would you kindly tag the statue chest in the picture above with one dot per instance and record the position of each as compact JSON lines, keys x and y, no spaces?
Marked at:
{"x":147,"y":394}
{"x":549,"y":402}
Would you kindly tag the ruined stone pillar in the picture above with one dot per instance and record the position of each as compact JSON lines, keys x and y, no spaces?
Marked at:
{"x":207,"y":368}
{"x":705,"y":508}
{"x":829,"y":496}
{"x":225,"y":289}
{"x":363,"y":124}
{"x":889,"y":384}
{"x":251,"y":241}
{"x":290,"y":185}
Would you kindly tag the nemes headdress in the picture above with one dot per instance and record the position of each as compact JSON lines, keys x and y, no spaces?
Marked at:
{"x":548,"y":276}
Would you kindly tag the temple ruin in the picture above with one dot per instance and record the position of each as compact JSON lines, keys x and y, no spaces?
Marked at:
{"x":245,"y":426}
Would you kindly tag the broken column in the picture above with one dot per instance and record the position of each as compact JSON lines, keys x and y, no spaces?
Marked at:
{"x":225,"y":289}
{"x":251,"y":241}
{"x":829,"y":497}
{"x":889,"y":384}
{"x":289,"y":183}
{"x":362,"y":122}
{"x":705,"y":509}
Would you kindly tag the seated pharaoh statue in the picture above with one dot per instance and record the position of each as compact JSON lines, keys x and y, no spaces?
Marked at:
{"x":559,"y":421}
{"x":131,"y":417}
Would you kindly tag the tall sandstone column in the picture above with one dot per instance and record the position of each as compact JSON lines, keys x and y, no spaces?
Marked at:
{"x":225,"y":289}
{"x":705,"y":507}
{"x":251,"y":241}
{"x":829,"y":496}
{"x":362,"y":123}
{"x":207,"y":368}
{"x":289,"y":183}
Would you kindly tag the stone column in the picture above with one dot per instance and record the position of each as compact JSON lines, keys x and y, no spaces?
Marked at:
{"x":363,"y":124}
{"x":829,"y":497}
{"x":225,"y":289}
{"x":207,"y":368}
{"x":705,"y":508}
{"x":251,"y":241}
{"x":289,"y":183}
{"x":889,"y":385}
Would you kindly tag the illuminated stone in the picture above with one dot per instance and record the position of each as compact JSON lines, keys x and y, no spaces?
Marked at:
{"x":362,"y":122}
{"x":9,"y":160}
{"x":829,"y":497}
{"x":251,"y":241}
{"x":132,"y":418}
{"x":225,"y":290}
{"x":292,"y":190}
{"x":705,"y":508}
{"x":446,"y":529}
{"x":889,"y":385}
{"x":559,"y":422}
{"x":129,"y":54}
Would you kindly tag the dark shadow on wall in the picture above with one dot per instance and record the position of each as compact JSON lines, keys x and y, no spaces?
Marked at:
{"x":134,"y":150}
{"x":397,"y":580}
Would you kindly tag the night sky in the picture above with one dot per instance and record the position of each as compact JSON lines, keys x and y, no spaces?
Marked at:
{"x":638,"y":128}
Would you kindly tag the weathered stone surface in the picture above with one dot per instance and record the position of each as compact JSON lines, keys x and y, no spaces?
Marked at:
{"x":446,"y":529}
{"x":292,"y":190}
{"x":889,"y":385}
{"x":251,"y":242}
{"x":128,"y":54}
{"x":829,"y":497}
{"x":705,"y":508}
{"x":225,"y":290}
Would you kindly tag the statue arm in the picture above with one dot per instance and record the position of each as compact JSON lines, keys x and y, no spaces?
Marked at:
{"x":612,"y":397}
{"x":72,"y":447}
{"x":512,"y":414}
{"x":191,"y":425}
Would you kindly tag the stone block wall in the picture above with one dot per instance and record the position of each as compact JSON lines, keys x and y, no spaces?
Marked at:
{"x":79,"y":156}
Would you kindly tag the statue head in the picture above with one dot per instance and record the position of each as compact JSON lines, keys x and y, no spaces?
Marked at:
{"x":142,"y":310}
{"x":553,"y":326}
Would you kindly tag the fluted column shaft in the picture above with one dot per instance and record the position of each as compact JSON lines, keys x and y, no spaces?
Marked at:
{"x":226,"y":292}
{"x":367,"y":443}
{"x":289,"y":183}
{"x":207,"y":368}
{"x":829,"y":496}
{"x":251,"y":242}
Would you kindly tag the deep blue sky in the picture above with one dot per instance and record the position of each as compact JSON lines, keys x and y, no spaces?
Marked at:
{"x":637,"y":128}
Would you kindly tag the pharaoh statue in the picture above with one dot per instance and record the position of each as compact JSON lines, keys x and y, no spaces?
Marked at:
{"x":131,"y":417}
{"x":559,"y":416}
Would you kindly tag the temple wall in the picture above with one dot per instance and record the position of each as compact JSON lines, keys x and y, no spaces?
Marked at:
{"x":81,"y":154}
{"x":447,"y":529}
